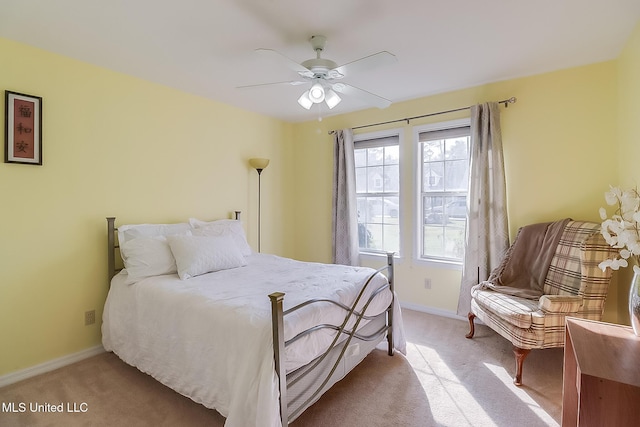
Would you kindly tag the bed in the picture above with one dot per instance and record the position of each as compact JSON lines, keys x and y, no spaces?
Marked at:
{"x":257,"y":337}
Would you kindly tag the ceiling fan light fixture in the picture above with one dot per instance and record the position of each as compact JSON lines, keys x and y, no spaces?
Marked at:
{"x":320,"y":74}
{"x":332,"y":99}
{"x":316,"y":93}
{"x":305,"y":101}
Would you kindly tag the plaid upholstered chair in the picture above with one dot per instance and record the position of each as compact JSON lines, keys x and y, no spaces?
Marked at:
{"x":574,"y":286}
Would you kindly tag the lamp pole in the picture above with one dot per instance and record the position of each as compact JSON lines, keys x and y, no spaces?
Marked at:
{"x":259,"y":165}
{"x":259,"y":203}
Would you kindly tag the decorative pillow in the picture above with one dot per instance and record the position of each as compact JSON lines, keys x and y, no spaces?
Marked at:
{"x":197,"y":255}
{"x":146,"y":257}
{"x":223,"y":227}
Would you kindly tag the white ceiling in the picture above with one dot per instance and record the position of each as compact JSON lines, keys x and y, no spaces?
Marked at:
{"x":206,"y":47}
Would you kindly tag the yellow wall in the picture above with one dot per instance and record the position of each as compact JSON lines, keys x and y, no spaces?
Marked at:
{"x":114,"y":145}
{"x":560,"y":152}
{"x":117,"y":145}
{"x":629,"y":139}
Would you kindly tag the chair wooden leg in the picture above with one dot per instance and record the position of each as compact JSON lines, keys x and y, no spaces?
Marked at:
{"x":521,"y":354}
{"x":472,"y":328}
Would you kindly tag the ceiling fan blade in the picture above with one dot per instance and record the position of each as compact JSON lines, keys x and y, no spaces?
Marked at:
{"x":362,"y":94}
{"x":291,"y":83}
{"x":298,"y":68}
{"x":367,"y":63}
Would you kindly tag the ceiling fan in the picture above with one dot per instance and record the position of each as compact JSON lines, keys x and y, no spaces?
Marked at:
{"x":323,"y":76}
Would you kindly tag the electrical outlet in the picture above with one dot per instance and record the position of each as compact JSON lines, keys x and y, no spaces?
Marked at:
{"x":89,"y":317}
{"x":427,"y":283}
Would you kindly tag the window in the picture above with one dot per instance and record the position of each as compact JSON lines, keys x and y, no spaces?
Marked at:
{"x":377,"y":162}
{"x":443,"y":156}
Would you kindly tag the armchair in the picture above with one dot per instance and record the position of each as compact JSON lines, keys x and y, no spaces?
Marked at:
{"x":574,"y":286}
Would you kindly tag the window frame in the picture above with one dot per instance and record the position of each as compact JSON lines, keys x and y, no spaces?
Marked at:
{"x":393,"y":133}
{"x":418,"y":224}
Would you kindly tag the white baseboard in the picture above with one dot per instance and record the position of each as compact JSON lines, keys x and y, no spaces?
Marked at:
{"x":432,"y":310}
{"x":437,"y":312}
{"x":14,"y":377}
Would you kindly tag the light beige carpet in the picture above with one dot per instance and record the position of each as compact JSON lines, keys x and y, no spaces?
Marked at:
{"x":445,"y":380}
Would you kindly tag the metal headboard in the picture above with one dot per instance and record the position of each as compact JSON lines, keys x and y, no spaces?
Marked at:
{"x":112,"y":233}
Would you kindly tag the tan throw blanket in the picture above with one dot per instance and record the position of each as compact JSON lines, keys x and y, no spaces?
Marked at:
{"x":524,"y":268}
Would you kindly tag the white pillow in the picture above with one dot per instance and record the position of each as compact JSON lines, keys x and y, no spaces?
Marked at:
{"x":222,"y":227}
{"x":146,"y":257}
{"x":149,"y":256}
{"x":197,"y":255}
{"x":132,"y":231}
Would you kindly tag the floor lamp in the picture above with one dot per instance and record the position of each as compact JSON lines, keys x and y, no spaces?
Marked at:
{"x":259,"y":165}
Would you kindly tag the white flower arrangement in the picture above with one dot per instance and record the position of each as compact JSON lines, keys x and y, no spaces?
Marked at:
{"x":622,"y":230}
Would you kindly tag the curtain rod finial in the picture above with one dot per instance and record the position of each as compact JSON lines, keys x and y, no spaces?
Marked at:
{"x":506,"y":102}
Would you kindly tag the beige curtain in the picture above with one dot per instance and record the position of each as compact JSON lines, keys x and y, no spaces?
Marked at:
{"x":487,"y":226}
{"x":345,"y":213}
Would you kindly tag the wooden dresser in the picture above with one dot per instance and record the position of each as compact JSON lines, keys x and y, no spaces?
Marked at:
{"x":601,"y":383}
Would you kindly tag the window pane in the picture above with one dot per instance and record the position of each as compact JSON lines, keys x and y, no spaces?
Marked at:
{"x":457,"y":175}
{"x":377,"y":187}
{"x":361,"y":180}
{"x":444,"y":241}
{"x":435,"y":212}
{"x":365,"y":238}
{"x":391,"y":178}
{"x":392,"y":155}
{"x":433,"y":209}
{"x":432,"y":150}
{"x":454,"y":242}
{"x":457,"y":148}
{"x":391,"y":207}
{"x":375,"y":156}
{"x":376,"y":236}
{"x":433,"y":176}
{"x":375,"y":179}
{"x":374,"y":209}
{"x":360,"y":158}
{"x":362,"y":209}
{"x":391,"y":237}
{"x":445,"y":176}
{"x":433,"y":241}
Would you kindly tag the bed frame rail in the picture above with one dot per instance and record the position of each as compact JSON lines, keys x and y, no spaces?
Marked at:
{"x":290,"y":408}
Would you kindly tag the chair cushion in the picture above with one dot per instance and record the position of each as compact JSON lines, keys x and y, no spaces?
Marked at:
{"x":560,"y":303}
{"x":515,"y":310}
{"x":520,"y":337}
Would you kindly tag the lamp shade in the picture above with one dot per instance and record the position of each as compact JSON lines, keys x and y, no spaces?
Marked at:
{"x":316,"y":93}
{"x":305,"y":101}
{"x":332,"y":99}
{"x":259,"y":163}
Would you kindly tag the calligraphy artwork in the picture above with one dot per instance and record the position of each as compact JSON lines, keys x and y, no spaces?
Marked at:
{"x":23,"y":128}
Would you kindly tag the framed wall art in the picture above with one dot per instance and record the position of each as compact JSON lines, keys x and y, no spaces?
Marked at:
{"x":23,"y":128}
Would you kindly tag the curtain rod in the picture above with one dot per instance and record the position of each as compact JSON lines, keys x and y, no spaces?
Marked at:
{"x":506,"y":103}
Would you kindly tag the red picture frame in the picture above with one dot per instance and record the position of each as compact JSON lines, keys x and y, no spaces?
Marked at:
{"x":23,"y":128}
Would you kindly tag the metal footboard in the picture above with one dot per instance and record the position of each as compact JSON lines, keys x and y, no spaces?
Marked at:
{"x":291,"y":406}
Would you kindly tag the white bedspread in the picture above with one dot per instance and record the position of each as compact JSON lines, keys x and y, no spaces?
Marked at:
{"x":209,"y":337}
